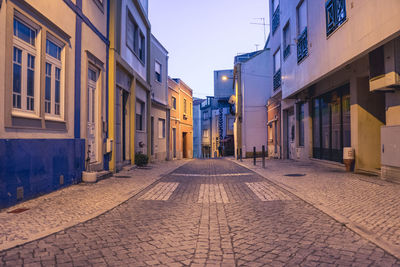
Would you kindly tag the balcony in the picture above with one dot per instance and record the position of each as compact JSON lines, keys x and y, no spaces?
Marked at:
{"x":275,"y":19}
{"x":335,"y":15}
{"x":277,"y":80}
{"x":302,"y":46}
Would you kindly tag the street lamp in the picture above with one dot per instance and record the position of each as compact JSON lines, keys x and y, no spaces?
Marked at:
{"x":225,"y":78}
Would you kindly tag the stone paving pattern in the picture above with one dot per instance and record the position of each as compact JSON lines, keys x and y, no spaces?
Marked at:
{"x":179,"y":231}
{"x":369,"y":202}
{"x":77,"y":203}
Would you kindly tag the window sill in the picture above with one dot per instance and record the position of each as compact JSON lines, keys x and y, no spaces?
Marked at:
{"x":26,"y":115}
{"x":56,"y":119}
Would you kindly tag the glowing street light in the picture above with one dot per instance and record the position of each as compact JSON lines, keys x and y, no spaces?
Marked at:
{"x":225,"y":78}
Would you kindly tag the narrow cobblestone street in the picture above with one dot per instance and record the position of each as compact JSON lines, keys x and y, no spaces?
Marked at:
{"x":207,"y":212}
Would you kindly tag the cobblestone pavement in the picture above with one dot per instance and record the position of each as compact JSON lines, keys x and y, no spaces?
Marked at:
{"x":207,"y":212}
{"x":366,"y":204}
{"x":78,"y":203}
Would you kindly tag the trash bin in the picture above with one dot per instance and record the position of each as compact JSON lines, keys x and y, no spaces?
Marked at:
{"x":348,"y":158}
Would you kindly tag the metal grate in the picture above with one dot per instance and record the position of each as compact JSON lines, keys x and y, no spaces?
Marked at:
{"x":294,"y":174}
{"x":121,"y":176}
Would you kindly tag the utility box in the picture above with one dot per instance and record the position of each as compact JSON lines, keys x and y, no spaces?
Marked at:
{"x":109,"y":145}
{"x":390,"y":153}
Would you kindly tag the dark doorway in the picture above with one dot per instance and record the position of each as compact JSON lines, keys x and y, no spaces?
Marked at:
{"x":184,"y":145}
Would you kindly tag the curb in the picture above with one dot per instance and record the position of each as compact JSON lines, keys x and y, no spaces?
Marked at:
{"x":13,"y":244}
{"x":392,"y":249}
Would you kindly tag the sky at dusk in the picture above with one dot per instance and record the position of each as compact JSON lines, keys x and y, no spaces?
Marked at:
{"x":204,"y":35}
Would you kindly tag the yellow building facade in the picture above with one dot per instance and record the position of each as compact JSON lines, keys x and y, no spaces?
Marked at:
{"x":180,"y":99}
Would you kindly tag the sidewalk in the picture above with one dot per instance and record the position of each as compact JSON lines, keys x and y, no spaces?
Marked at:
{"x":367,"y":205}
{"x":75,"y":204}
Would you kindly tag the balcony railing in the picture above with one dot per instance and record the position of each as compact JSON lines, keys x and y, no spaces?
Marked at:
{"x":302,"y":46}
{"x":275,"y":19}
{"x":286,"y":51}
{"x":335,"y":14}
{"x":277,"y":79}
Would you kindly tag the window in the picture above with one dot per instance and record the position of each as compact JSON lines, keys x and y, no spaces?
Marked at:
{"x":142,"y":47}
{"x":139,"y":115}
{"x":161,"y":128}
{"x":277,"y":69}
{"x":302,"y":42}
{"x":174,"y":103}
{"x":300,"y":118}
{"x":231,"y":122}
{"x":157,"y":69}
{"x":190,"y":109}
{"x":184,"y":106}
{"x":275,"y":15}
{"x":205,"y":115}
{"x":286,"y":40}
{"x":53,"y":77}
{"x":24,"y":74}
{"x":205,"y":133}
{"x":131,"y":33}
{"x":335,"y":11}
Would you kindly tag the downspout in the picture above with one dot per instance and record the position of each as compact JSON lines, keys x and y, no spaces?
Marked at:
{"x":106,"y":156}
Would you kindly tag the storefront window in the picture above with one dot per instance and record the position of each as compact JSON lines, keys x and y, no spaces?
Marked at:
{"x":331,"y":124}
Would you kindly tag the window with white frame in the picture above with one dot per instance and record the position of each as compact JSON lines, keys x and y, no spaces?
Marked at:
{"x":161,"y":128}
{"x":157,"y":70}
{"x":53,"y":77}
{"x":25,"y":66}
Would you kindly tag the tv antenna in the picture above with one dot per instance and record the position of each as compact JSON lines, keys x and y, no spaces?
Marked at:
{"x":262,"y":22}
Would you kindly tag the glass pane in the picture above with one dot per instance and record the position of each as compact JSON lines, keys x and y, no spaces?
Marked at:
{"x":48,"y":82}
{"x":346,"y":120}
{"x":16,"y":78}
{"x":335,"y":117}
{"x":24,"y":32}
{"x":277,"y":60}
{"x":129,"y":33}
{"x":301,"y":124}
{"x":30,"y":75}
{"x":53,"y":50}
{"x":316,"y":124}
{"x":302,"y":17}
{"x":325,"y":120}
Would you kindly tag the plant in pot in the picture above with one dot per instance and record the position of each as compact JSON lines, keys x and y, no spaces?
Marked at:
{"x":141,"y":159}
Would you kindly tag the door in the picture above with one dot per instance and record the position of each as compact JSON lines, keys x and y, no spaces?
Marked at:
{"x":125,"y":126}
{"x":118,"y":128}
{"x":91,"y":115}
{"x":184,"y":144}
{"x":152,"y":135}
{"x":291,"y":135}
{"x":174,"y":141}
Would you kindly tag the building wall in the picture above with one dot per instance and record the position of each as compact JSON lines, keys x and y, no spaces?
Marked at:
{"x":197,"y":130}
{"x":160,"y":143}
{"x":186,"y":119}
{"x":357,"y":36}
{"x":255,"y":96}
{"x":173,"y":91}
{"x":223,"y":83}
{"x":40,"y":153}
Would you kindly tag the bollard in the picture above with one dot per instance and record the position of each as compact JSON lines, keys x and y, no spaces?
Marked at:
{"x":237,"y":153}
{"x":254,"y":155}
{"x":241,"y":155}
{"x":263,"y":157}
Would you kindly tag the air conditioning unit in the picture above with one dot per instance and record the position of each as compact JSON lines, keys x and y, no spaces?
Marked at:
{"x":384,"y":65}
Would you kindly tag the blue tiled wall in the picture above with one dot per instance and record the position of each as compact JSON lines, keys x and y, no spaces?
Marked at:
{"x":36,"y":165}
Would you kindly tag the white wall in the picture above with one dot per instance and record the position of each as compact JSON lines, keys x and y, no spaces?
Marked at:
{"x":369,"y":24}
{"x":256,"y":82}
{"x":126,"y":53}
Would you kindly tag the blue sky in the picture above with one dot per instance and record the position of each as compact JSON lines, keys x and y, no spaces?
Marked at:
{"x":204,"y":35}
